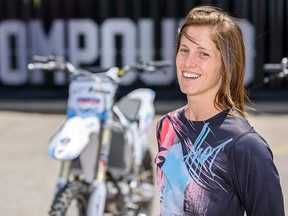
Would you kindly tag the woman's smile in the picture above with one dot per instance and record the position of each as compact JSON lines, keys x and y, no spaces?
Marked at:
{"x":191,"y":75}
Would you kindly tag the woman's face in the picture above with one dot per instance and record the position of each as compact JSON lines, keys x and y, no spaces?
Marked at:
{"x":198,"y":64}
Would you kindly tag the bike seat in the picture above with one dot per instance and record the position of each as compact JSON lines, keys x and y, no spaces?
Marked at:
{"x":129,"y":107}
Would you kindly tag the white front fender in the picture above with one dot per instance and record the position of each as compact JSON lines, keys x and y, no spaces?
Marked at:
{"x":72,"y":137}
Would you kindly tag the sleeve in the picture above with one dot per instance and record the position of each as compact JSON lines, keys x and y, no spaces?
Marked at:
{"x":166,"y":137}
{"x":159,"y":159}
{"x":255,"y":177}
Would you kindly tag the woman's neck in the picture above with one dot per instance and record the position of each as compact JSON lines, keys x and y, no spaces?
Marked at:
{"x":200,"y":110}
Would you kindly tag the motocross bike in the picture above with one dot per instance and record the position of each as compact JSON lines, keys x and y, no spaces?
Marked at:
{"x":106,"y":165}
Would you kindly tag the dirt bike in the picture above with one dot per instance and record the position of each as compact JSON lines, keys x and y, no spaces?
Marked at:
{"x":106,"y":165}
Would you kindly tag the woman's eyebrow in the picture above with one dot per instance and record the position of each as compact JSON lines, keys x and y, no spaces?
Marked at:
{"x":193,"y":40}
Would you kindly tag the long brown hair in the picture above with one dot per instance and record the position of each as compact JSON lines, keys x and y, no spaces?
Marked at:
{"x":228,"y":38}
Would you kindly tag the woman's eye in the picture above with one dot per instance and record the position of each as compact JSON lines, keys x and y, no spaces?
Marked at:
{"x":204,"y":54}
{"x":184,"y":50}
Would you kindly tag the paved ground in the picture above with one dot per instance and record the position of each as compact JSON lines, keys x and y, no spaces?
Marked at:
{"x":28,"y":174}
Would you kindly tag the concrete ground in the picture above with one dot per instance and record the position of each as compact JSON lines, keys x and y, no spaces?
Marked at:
{"x":28,"y":174}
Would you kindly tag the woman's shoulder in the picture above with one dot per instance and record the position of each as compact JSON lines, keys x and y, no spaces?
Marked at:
{"x":245,"y":137}
{"x":172,"y":115}
{"x":251,"y":143}
{"x":237,"y":124}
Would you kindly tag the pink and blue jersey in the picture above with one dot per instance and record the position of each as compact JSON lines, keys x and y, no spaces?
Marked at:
{"x":216,"y":167}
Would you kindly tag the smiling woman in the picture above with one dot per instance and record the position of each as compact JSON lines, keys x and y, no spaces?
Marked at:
{"x":198,"y":64}
{"x":220,"y":159}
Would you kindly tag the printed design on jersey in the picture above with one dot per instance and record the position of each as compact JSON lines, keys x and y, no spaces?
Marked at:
{"x":200,"y":157}
{"x":187,"y":162}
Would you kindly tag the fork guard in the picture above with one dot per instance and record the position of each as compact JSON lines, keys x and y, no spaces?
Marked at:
{"x":71,"y":138}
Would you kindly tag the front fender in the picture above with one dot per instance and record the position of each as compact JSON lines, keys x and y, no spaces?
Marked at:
{"x":72,"y":137}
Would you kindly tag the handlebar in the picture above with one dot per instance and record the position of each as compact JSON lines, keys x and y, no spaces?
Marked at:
{"x":54,"y":63}
{"x":272,"y":68}
{"x":276,"y":71}
{"x":149,"y":66}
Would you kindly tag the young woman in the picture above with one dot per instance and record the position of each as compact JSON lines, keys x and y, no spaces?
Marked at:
{"x":211,"y":161}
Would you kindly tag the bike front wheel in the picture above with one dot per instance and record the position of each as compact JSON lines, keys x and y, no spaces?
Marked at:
{"x":71,"y":200}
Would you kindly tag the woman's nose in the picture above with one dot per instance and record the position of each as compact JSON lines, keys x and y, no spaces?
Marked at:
{"x":190,"y":61}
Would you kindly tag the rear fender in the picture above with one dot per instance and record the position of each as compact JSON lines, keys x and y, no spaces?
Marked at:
{"x":72,"y":137}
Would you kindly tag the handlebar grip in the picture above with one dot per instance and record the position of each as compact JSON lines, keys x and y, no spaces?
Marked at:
{"x":50,"y":66}
{"x":269,"y":67}
{"x":156,"y":64}
{"x":34,"y":66}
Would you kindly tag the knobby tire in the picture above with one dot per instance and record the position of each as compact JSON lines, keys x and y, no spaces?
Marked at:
{"x":77,"y":192}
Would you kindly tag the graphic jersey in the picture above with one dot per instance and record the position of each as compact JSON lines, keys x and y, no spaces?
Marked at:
{"x":214,"y":167}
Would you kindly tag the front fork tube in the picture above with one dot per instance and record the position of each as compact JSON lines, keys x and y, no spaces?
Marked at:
{"x":97,"y":201}
{"x":104,"y":154}
{"x":64,"y":173}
